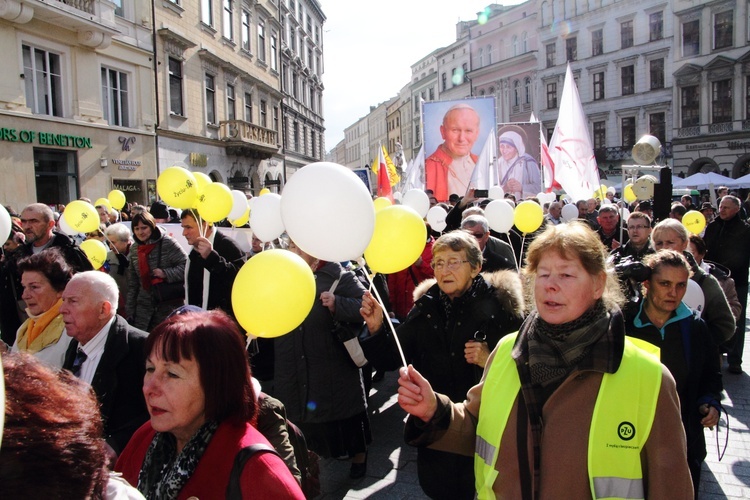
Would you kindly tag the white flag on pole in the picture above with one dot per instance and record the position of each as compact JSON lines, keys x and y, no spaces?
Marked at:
{"x":571,"y":153}
{"x":484,"y":175}
{"x":414,"y":177}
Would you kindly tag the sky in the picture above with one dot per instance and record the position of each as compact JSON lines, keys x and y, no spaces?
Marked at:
{"x":369,"y":47}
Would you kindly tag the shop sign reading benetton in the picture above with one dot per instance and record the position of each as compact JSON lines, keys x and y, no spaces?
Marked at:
{"x":44,"y":138}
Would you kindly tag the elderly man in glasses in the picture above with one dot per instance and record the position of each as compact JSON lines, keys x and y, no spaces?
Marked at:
{"x":496,"y":253}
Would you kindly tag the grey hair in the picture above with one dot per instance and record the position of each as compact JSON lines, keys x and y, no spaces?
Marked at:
{"x":672,"y":225}
{"x":476,"y":220}
{"x":119,"y":231}
{"x":102,"y":286}
{"x":41,"y":208}
{"x":735,"y":201}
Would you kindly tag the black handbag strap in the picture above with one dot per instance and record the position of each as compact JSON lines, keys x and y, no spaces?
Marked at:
{"x":234,"y":492}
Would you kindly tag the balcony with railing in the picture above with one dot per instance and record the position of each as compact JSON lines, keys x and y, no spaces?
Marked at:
{"x":93,"y":20}
{"x":625,"y":153}
{"x":247,"y":139}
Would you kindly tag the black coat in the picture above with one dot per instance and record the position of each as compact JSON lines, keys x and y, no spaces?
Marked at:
{"x":118,"y":381}
{"x":313,"y":374}
{"x":223,"y":264}
{"x":435,"y":345}
{"x":728,"y":243}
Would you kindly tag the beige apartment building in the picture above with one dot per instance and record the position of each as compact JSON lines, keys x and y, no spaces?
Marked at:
{"x":76,"y":101}
{"x":217,"y":88}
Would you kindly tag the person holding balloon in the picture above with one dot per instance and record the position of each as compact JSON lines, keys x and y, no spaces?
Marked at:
{"x":456,"y":321}
{"x":43,"y":276}
{"x":314,"y":375}
{"x":685,"y":348}
{"x":672,"y":235}
{"x":155,"y":258}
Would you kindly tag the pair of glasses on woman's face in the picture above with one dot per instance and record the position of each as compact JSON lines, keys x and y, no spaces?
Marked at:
{"x":450,"y":264}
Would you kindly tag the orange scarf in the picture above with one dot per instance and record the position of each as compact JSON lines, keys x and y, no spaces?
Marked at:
{"x":37,"y":324}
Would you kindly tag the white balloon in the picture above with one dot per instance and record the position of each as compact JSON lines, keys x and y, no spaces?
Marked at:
{"x":436,"y":218}
{"x":328,"y":212}
{"x":496,"y":193}
{"x":265,"y":219}
{"x":418,"y":200}
{"x":5,"y":224}
{"x":569,"y":212}
{"x":694,"y":297}
{"x":397,"y":196}
{"x":239,"y":205}
{"x":65,"y":227}
{"x":624,"y":214}
{"x":499,"y":215}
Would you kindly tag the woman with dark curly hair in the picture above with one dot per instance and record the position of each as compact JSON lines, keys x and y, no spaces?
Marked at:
{"x":43,"y":276}
{"x":200,"y":397}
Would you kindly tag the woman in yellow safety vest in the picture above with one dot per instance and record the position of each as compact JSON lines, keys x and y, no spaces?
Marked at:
{"x":567,"y":408}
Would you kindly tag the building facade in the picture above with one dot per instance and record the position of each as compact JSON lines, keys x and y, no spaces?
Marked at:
{"x":302,"y":83}
{"x":76,"y":101}
{"x":217,"y":87}
{"x":711,"y":71}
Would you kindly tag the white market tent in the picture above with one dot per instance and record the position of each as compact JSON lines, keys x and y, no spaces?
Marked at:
{"x":704,"y":181}
{"x":740,"y":182}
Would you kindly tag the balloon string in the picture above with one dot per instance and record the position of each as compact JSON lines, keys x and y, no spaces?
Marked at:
{"x":373,"y":289}
{"x":201,"y":230}
{"x":523,"y":244}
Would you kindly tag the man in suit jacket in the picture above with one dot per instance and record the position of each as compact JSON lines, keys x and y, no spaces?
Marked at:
{"x":106,"y":352}
{"x":212,"y":266}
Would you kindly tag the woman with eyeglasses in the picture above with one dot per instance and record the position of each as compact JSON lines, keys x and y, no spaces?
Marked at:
{"x":457,"y":319}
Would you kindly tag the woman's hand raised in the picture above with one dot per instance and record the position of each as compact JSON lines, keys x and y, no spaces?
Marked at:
{"x":371,"y":312}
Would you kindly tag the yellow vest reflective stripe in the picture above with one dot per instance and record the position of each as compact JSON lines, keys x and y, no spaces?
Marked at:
{"x":621,"y":423}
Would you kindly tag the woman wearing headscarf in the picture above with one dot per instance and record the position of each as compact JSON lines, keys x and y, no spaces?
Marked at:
{"x":518,"y":172}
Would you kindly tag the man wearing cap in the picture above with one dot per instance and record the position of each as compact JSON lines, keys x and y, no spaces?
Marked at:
{"x":728,"y":242}
{"x":212,"y":265}
{"x":159,"y":212}
{"x":708,"y":211}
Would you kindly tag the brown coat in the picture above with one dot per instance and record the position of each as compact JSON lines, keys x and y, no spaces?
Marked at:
{"x":567,"y":418}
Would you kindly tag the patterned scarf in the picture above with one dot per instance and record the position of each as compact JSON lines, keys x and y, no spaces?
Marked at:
{"x":164,"y":473}
{"x":478,"y":286}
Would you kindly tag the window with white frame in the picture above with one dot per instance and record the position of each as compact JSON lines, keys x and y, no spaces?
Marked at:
{"x":627,"y":80}
{"x":626,"y":34}
{"x":175,"y":87}
{"x":231,"y":103}
{"x":598,"y":85}
{"x":481,"y":57}
{"x":551,"y":51}
{"x":263,"y":114}
{"x":721,"y":101}
{"x":489,"y":54}
{"x":571,"y":49}
{"x":552,"y":95}
{"x":690,"y":106}
{"x":276,"y":118}
{"x":227,"y":20}
{"x":245,"y":34}
{"x":42,"y":72}
{"x":656,"y":73}
{"x":516,"y":93}
{"x":527,"y":90}
{"x":248,"y":107}
{"x":115,"y":103}
{"x":514,"y":45}
{"x":262,"y":42}
{"x":210,"y":89}
{"x":119,"y":10}
{"x":275,"y":52}
{"x":723,"y":29}
{"x":207,"y":12}
{"x":691,"y":38}
{"x":295,"y":85}
{"x":627,"y":130}
{"x":597,"y":42}
{"x":600,"y":135}
{"x":657,"y":126}
{"x":524,"y":43}
{"x":656,"y":26}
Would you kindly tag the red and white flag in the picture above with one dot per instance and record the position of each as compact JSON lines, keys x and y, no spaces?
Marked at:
{"x":571,"y":156}
{"x":384,"y":182}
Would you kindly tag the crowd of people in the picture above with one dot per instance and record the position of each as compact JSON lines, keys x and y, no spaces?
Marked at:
{"x":522,"y":353}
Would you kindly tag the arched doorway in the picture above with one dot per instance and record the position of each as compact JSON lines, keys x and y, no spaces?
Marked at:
{"x":741,"y":166}
{"x":703,"y":165}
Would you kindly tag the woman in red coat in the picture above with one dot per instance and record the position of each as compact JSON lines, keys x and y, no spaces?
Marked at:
{"x":199,"y":394}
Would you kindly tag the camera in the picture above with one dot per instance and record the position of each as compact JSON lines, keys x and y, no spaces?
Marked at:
{"x":481,"y":193}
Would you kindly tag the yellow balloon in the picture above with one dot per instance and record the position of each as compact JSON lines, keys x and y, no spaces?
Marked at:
{"x":95,"y":251}
{"x":528,"y":216}
{"x":103,"y":202}
{"x":628,"y":193}
{"x":381,"y":203}
{"x":215,"y":202}
{"x":116,"y":199}
{"x":264,"y":191}
{"x":273,"y":293}
{"x":241,"y":221}
{"x":600,"y":193}
{"x":398,"y":240}
{"x":81,"y":216}
{"x":177,"y":187}
{"x":203,"y":181}
{"x":694,"y":221}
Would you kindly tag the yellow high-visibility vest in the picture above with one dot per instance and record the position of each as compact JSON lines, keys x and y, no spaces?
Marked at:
{"x":620,"y":425}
